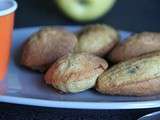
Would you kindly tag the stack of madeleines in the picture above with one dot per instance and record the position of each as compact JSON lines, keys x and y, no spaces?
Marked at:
{"x":74,"y":62}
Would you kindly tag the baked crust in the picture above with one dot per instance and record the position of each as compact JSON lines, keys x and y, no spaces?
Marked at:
{"x":139,"y":76}
{"x":75,"y":72}
{"x":96,"y":39}
{"x":46,"y":46}
{"x":136,"y":45}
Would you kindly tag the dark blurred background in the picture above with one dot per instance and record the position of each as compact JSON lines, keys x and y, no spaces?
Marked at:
{"x":132,"y":15}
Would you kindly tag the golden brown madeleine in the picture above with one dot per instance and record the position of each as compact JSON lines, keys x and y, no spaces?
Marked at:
{"x":75,"y":72}
{"x":136,"y":45}
{"x":46,"y":46}
{"x":96,"y":39}
{"x":139,"y":76}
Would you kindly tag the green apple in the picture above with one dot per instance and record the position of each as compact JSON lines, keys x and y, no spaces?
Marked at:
{"x":85,"y":10}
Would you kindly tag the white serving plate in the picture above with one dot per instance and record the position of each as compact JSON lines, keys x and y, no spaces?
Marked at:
{"x":22,"y":86}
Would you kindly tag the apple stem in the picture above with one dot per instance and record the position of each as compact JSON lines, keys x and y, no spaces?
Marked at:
{"x":84,"y":2}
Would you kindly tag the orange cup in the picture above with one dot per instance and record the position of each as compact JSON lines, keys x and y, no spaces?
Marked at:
{"x":7,"y":11}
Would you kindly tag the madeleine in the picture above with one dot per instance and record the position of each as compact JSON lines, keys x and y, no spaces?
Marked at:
{"x":96,"y":39}
{"x":46,"y":46}
{"x":75,"y":72}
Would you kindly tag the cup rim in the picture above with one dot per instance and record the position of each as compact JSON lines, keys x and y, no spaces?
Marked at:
{"x":10,"y":9}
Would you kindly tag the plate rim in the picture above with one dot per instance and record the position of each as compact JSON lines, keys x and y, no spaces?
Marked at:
{"x":80,"y":105}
